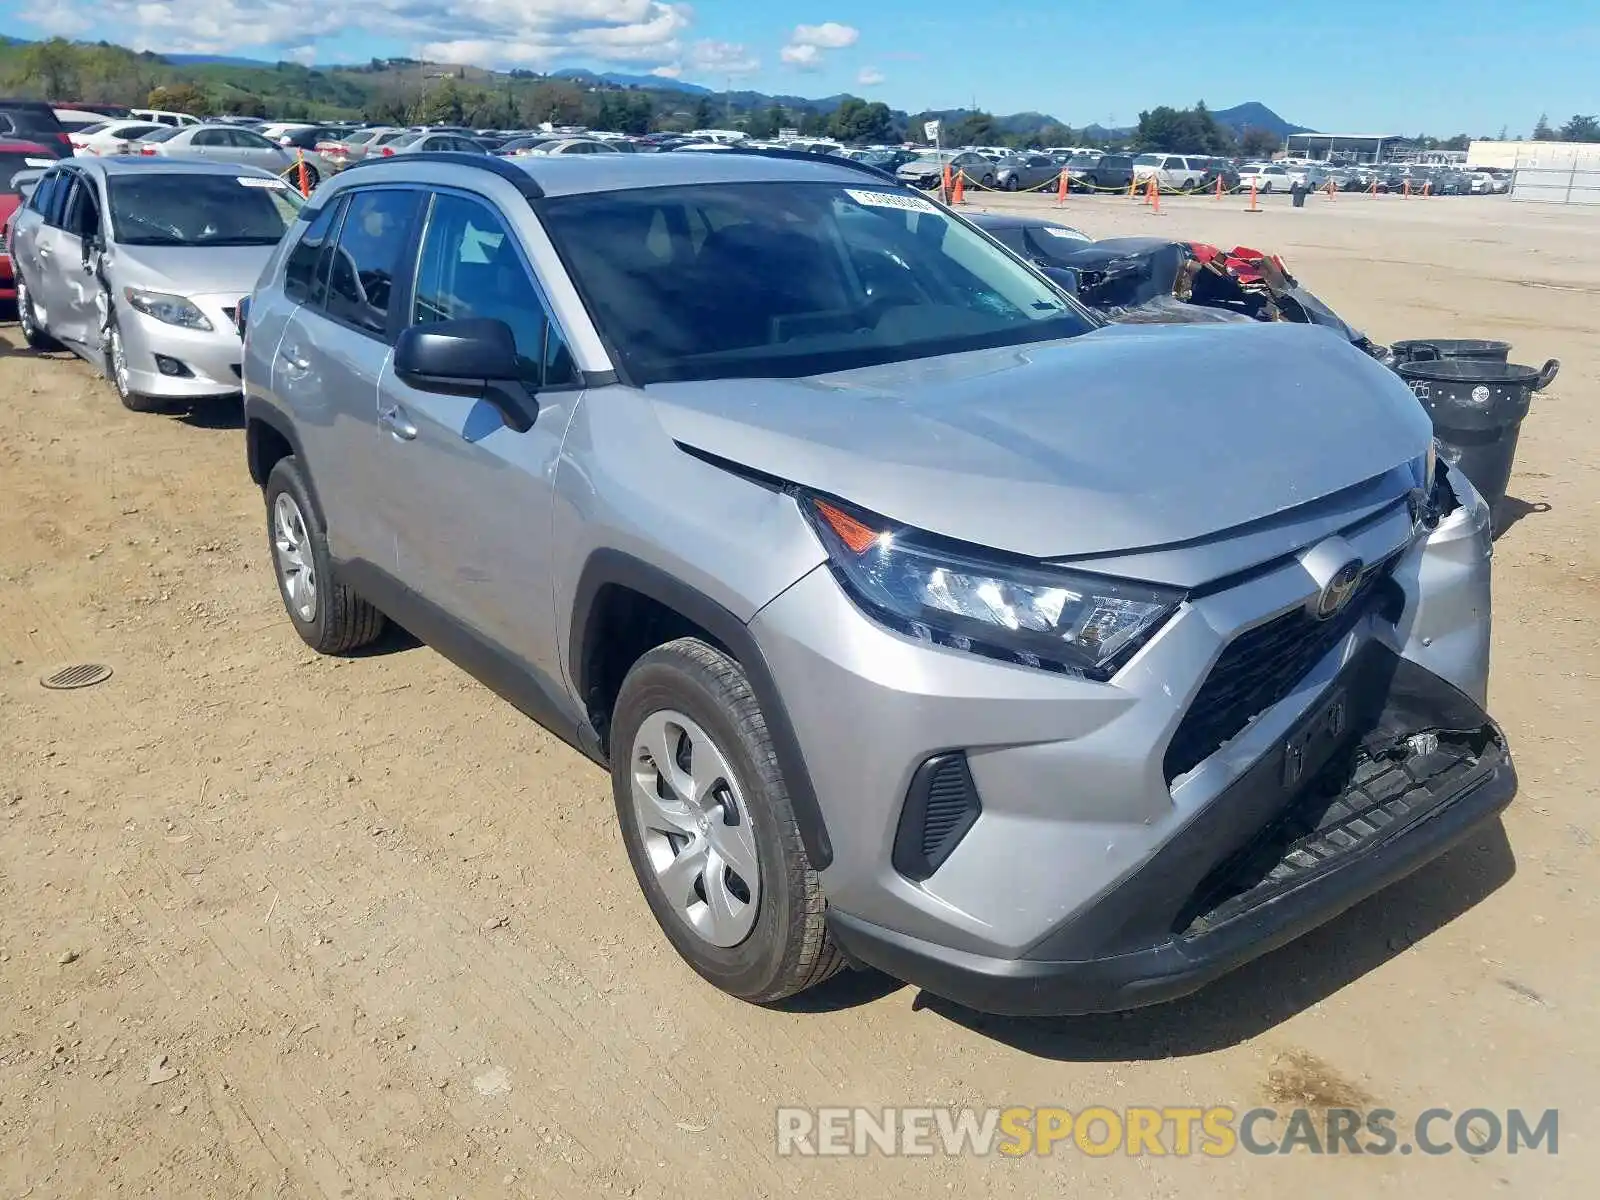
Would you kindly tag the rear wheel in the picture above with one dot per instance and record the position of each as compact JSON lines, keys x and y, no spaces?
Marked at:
{"x":987,"y":181}
{"x":709,"y":828}
{"x":33,"y":332}
{"x":1012,"y":183}
{"x":328,"y":616}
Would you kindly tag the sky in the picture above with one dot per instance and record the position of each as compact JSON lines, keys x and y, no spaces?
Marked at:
{"x":1360,"y":66}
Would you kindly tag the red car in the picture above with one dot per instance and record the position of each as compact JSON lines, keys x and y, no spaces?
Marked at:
{"x":15,"y":157}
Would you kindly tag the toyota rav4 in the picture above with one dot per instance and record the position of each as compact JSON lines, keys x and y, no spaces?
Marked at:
{"x":921,"y":621}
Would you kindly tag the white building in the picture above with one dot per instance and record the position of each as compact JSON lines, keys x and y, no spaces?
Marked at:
{"x":1556,"y":172}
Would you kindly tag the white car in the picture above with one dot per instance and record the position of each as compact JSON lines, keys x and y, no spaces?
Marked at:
{"x":1172,"y":172}
{"x":1268,"y":177}
{"x":111,"y":137}
{"x":162,"y":116}
{"x":576,"y":146}
{"x":1488,"y":183}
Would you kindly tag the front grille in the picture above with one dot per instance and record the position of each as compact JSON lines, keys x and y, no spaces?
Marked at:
{"x":1259,"y":668}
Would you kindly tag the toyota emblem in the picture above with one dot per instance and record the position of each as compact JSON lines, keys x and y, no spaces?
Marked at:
{"x":1336,"y":593}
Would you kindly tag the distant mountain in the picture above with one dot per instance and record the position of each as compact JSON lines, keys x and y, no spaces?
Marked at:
{"x":616,"y":79}
{"x":220,"y":60}
{"x":1254,"y":115}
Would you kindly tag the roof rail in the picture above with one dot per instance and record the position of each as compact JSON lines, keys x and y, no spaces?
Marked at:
{"x":800,"y":156}
{"x":519,"y":179}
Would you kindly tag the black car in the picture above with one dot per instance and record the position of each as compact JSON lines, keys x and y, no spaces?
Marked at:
{"x":33,"y":121}
{"x":1099,"y":172}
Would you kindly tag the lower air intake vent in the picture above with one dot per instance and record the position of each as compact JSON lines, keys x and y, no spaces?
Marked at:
{"x":941,"y":806}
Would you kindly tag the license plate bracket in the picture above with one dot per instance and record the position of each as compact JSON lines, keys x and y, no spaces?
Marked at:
{"x":1314,"y":742}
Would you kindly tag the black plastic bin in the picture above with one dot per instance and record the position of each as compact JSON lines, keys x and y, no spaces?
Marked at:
{"x":1477,"y":409}
{"x":1429,"y":349}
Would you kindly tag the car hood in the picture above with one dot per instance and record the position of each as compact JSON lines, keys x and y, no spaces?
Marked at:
{"x":191,"y":270}
{"x":1126,"y":438}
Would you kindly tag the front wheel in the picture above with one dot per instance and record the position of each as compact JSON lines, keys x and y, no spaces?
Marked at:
{"x":987,"y":181}
{"x":122,"y":377}
{"x":709,"y":828}
{"x":1012,"y":183}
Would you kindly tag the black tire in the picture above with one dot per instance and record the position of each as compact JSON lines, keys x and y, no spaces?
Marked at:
{"x":1012,"y":183}
{"x":987,"y":181}
{"x":789,"y":949}
{"x":340,"y":620}
{"x":131,"y":400}
{"x":33,"y":333}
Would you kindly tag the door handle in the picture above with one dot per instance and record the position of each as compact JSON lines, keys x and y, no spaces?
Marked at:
{"x":293,"y":362}
{"x":43,"y":249}
{"x":394,"y":419}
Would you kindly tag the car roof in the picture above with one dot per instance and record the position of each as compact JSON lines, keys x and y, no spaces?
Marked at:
{"x":129,"y":164}
{"x":579,"y":174}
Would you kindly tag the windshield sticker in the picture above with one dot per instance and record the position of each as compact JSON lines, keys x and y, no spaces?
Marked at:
{"x":890,"y":200}
{"x":258,"y":181}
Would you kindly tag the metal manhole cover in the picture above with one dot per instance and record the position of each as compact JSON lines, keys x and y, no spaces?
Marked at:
{"x":80,"y":675}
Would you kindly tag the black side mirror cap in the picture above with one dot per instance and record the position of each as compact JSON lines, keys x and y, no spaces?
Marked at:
{"x":477,"y":350}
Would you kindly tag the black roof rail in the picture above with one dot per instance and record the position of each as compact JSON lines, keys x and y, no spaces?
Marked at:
{"x":797,"y":156}
{"x":519,"y":179}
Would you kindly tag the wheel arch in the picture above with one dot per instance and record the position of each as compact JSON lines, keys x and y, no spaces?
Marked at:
{"x":607,"y":585}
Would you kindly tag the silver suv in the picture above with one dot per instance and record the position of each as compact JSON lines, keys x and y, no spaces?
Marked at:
{"x":921,"y":621}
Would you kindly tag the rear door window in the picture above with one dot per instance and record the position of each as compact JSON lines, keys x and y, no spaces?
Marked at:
{"x":373,"y":240}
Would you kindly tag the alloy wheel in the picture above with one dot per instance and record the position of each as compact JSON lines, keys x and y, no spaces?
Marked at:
{"x":695,"y":828}
{"x":297,"y":572}
{"x":119,"y":363}
{"x":25,"y":316}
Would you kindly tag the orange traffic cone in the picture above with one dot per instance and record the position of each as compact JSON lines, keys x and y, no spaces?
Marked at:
{"x":1061,"y":190}
{"x":1155,"y":197}
{"x":1219,"y":187}
{"x":1407,"y":189}
{"x":944,"y":185}
{"x":960,"y":196}
{"x":304,"y":179}
{"x":1133,"y":188}
{"x":1254,"y":207}
{"x":1330,"y":189}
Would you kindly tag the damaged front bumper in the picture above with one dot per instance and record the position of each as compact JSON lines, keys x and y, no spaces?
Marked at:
{"x":1389,"y":770}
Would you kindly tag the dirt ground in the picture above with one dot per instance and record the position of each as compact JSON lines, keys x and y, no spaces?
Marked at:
{"x":278,"y":925}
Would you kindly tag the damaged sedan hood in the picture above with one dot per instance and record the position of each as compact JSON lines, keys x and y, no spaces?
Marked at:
{"x":1126,"y":438}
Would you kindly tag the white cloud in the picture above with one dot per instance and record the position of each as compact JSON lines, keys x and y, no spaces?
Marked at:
{"x":869,"y":77}
{"x":488,"y":33}
{"x":723,"y":58}
{"x":670,"y":71}
{"x":805,"y":57}
{"x":807,"y":43}
{"x":830,"y":35}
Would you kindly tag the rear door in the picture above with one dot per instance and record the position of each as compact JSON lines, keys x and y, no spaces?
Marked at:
{"x":334,"y":348}
{"x":57,"y":269}
{"x":74,"y":308}
{"x":29,"y":224}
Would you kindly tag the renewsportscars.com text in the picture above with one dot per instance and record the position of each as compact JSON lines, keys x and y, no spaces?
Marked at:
{"x":1161,"y":1131}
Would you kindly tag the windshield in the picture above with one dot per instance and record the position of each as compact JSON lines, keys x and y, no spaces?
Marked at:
{"x":1083,"y":160}
{"x":162,"y":134}
{"x":1148,"y":160}
{"x":779,"y":280}
{"x":191,"y":209}
{"x":406,"y":139}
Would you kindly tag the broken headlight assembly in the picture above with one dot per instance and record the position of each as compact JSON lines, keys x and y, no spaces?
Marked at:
{"x":1032,"y":614}
{"x":1435,"y":499}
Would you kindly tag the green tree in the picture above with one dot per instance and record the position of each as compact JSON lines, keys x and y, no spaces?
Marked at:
{"x":1256,"y":142}
{"x":179,"y":97}
{"x":813,"y":124}
{"x":52,"y":66}
{"x":440,"y":104}
{"x":855,"y":120}
{"x":1581,"y":129}
{"x":638,"y":115}
{"x":606,"y":115}
{"x":704,"y":115}
{"x":973,"y":129}
{"x":1542,"y":131}
{"x":765,"y":125}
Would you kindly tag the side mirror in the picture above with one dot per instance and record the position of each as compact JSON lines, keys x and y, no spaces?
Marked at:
{"x":475,"y":357}
{"x":455,"y":353}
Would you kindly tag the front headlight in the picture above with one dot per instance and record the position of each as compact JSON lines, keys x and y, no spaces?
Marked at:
{"x":173,"y":310}
{"x":1035,"y":615}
